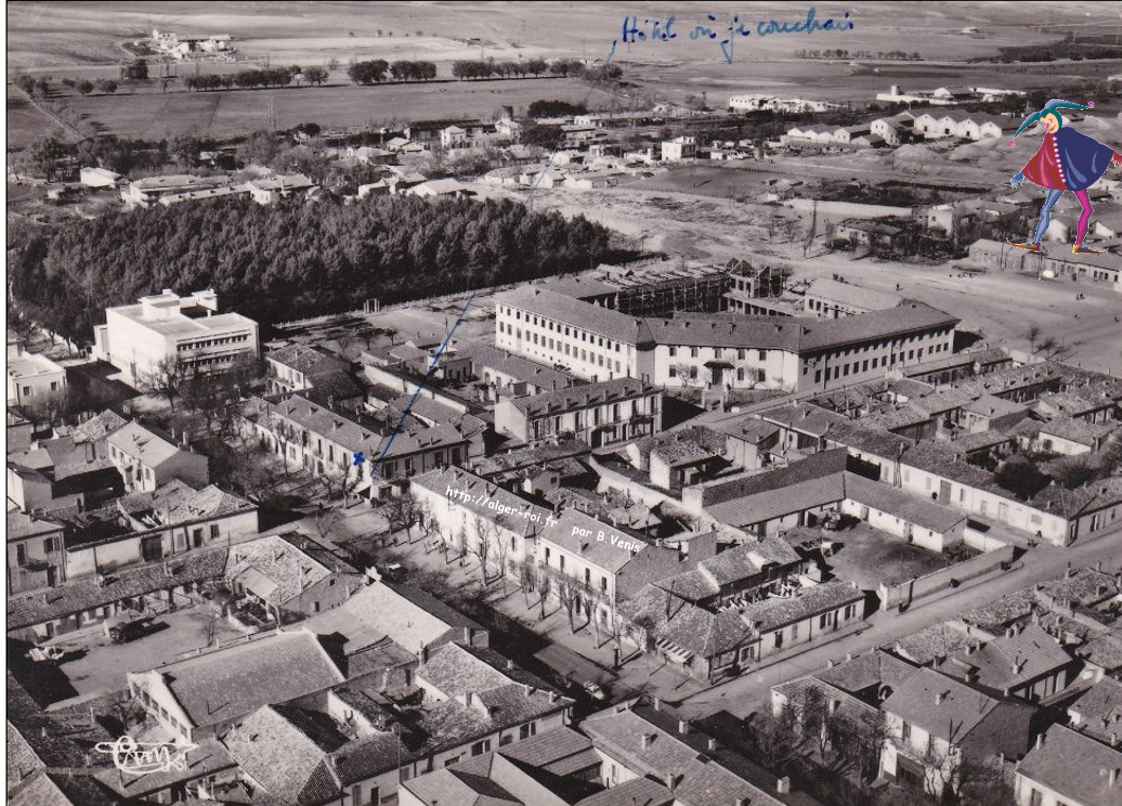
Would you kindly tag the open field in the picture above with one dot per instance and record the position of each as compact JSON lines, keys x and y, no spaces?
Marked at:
{"x":54,"y":34}
{"x":25,"y":122}
{"x":154,"y":115}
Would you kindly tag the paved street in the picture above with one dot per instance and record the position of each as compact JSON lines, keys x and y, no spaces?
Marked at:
{"x":748,"y":693}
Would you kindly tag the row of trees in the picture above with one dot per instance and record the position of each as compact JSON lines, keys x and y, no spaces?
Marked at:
{"x":375,"y":71}
{"x":842,"y":53}
{"x":247,"y":79}
{"x":259,"y":258}
{"x":489,"y":68}
{"x":85,"y":86}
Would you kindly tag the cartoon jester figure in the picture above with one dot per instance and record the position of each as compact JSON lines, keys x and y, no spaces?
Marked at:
{"x":1066,"y":160}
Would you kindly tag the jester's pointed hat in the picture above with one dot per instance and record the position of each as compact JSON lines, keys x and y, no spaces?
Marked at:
{"x":1053,"y":107}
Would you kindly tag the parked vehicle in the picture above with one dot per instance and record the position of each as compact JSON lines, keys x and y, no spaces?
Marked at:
{"x":39,"y":654}
{"x":594,"y":690}
{"x":125,"y":630}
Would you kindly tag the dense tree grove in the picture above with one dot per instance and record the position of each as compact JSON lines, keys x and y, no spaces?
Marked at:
{"x":554,"y":109}
{"x":285,"y":262}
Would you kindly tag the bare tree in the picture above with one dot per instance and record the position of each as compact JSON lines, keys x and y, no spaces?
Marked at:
{"x":403,"y":513}
{"x":545,"y":585}
{"x":502,"y":548}
{"x":568,"y":594}
{"x":526,"y":573}
{"x":165,"y":379}
{"x":481,"y":549}
{"x":591,"y":600}
{"x":773,"y":739}
{"x":1033,"y":333}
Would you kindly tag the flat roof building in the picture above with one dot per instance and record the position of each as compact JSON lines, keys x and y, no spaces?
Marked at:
{"x":135,"y":338}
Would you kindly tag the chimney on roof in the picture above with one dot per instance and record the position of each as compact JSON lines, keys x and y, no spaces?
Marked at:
{"x":646,"y":740}
{"x":509,"y":665}
{"x":657,"y":703}
{"x":783,"y":785}
{"x":424,"y":653}
{"x":1039,"y":740}
{"x":683,"y":727}
{"x":467,"y":635}
{"x":712,"y":745}
{"x":1112,"y":777}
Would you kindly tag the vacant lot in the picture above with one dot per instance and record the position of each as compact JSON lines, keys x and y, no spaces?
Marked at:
{"x":870,"y":557}
{"x":155,"y":115}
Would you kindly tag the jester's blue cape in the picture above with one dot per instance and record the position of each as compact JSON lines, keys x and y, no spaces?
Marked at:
{"x":1068,"y":160}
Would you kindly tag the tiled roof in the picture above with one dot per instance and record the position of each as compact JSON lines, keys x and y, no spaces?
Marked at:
{"x":1104,"y":651}
{"x":629,"y":793}
{"x":933,"y":642}
{"x":233,"y":681}
{"x":59,"y":789}
{"x":549,"y":748}
{"x":306,"y":359}
{"x":771,"y":614}
{"x":578,"y":398}
{"x":1100,"y":710}
{"x":997,"y":614}
{"x":484,"y":356}
{"x":100,"y":426}
{"x":849,"y":294}
{"x":594,"y":541}
{"x":409,"y":616}
{"x":140,"y":443}
{"x":455,"y":786}
{"x":893,"y":501}
{"x":814,"y":467}
{"x":482,"y":497}
{"x":284,"y":569}
{"x":560,"y":307}
{"x":874,"y":668}
{"x":703,"y":780}
{"x":25,"y":610}
{"x":1073,"y":766}
{"x":766,"y":505}
{"x":21,"y":526}
{"x":281,"y":757}
{"x":685,"y":625}
{"x":1076,"y":430}
{"x":455,"y":669}
{"x":1086,"y":586}
{"x":936,"y":702}
{"x":1009,"y":660}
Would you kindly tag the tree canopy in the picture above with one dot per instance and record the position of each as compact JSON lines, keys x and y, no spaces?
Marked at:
{"x":288,"y":261}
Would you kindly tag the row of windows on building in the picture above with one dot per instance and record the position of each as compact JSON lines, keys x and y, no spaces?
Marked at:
{"x":557,"y":346}
{"x":30,"y":392}
{"x":50,"y":546}
{"x":188,"y":346}
{"x":843,"y":370}
{"x":721,"y":352}
{"x":587,"y":571}
{"x":576,"y":332}
{"x":757,"y":375}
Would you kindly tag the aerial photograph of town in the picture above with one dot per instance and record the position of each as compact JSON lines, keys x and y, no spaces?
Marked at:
{"x":563,"y":403}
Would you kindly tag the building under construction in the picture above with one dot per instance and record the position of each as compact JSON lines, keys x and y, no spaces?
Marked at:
{"x":653,"y":290}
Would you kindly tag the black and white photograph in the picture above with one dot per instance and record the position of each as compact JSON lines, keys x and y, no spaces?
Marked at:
{"x":460,"y":403}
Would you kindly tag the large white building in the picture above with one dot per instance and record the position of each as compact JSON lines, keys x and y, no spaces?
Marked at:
{"x":719,"y":349}
{"x":135,"y":338}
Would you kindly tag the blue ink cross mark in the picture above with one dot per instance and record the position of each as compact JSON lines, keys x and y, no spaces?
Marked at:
{"x":383,"y":452}
{"x":359,"y":458}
